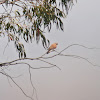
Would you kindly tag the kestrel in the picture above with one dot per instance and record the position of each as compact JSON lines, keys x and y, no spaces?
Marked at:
{"x":52,"y":47}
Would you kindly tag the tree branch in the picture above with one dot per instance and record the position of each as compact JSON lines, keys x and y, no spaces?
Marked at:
{"x":17,"y":85}
{"x":42,"y":59}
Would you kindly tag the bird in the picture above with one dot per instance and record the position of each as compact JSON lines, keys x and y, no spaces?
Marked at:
{"x":52,"y":47}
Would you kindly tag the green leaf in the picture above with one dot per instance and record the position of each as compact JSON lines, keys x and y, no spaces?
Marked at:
{"x":24,"y":55}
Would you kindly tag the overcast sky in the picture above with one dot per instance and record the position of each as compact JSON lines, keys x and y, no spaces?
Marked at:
{"x":77,"y":80}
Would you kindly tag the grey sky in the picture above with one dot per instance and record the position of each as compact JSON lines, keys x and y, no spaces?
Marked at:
{"x":78,"y":80}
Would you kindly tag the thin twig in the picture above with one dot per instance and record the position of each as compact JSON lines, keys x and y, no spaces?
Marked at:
{"x":33,"y":67}
{"x":7,"y":77}
{"x":5,"y":48}
{"x":17,"y":85}
{"x":78,"y":45}
{"x":79,"y":57}
{"x":42,"y":59}
{"x":32,"y":84}
{"x":50,"y":63}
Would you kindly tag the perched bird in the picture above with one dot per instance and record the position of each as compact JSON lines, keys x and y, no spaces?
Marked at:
{"x":52,"y":47}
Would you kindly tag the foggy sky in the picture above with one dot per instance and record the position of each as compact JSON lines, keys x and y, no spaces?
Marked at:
{"x":77,"y":80}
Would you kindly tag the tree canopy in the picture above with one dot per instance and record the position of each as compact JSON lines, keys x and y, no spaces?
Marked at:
{"x":28,"y":19}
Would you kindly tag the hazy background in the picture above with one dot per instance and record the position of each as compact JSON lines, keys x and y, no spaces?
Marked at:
{"x":77,"y":80}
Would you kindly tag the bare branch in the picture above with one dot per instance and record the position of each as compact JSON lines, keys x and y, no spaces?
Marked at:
{"x":14,"y":62}
{"x":79,"y":57}
{"x":78,"y":45}
{"x":5,"y":48}
{"x":17,"y":85}
{"x":42,"y":59}
{"x":49,"y":63}
{"x":32,"y":84}
{"x":7,"y":76}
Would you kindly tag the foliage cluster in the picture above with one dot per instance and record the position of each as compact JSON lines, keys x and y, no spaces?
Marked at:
{"x":29,"y":19}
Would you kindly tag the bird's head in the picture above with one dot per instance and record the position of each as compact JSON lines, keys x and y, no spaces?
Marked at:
{"x":56,"y":43}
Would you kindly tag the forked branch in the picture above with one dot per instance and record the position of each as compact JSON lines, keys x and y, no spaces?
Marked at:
{"x":43,"y":58}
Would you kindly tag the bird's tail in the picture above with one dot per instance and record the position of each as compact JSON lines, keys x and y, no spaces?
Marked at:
{"x":48,"y":51}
